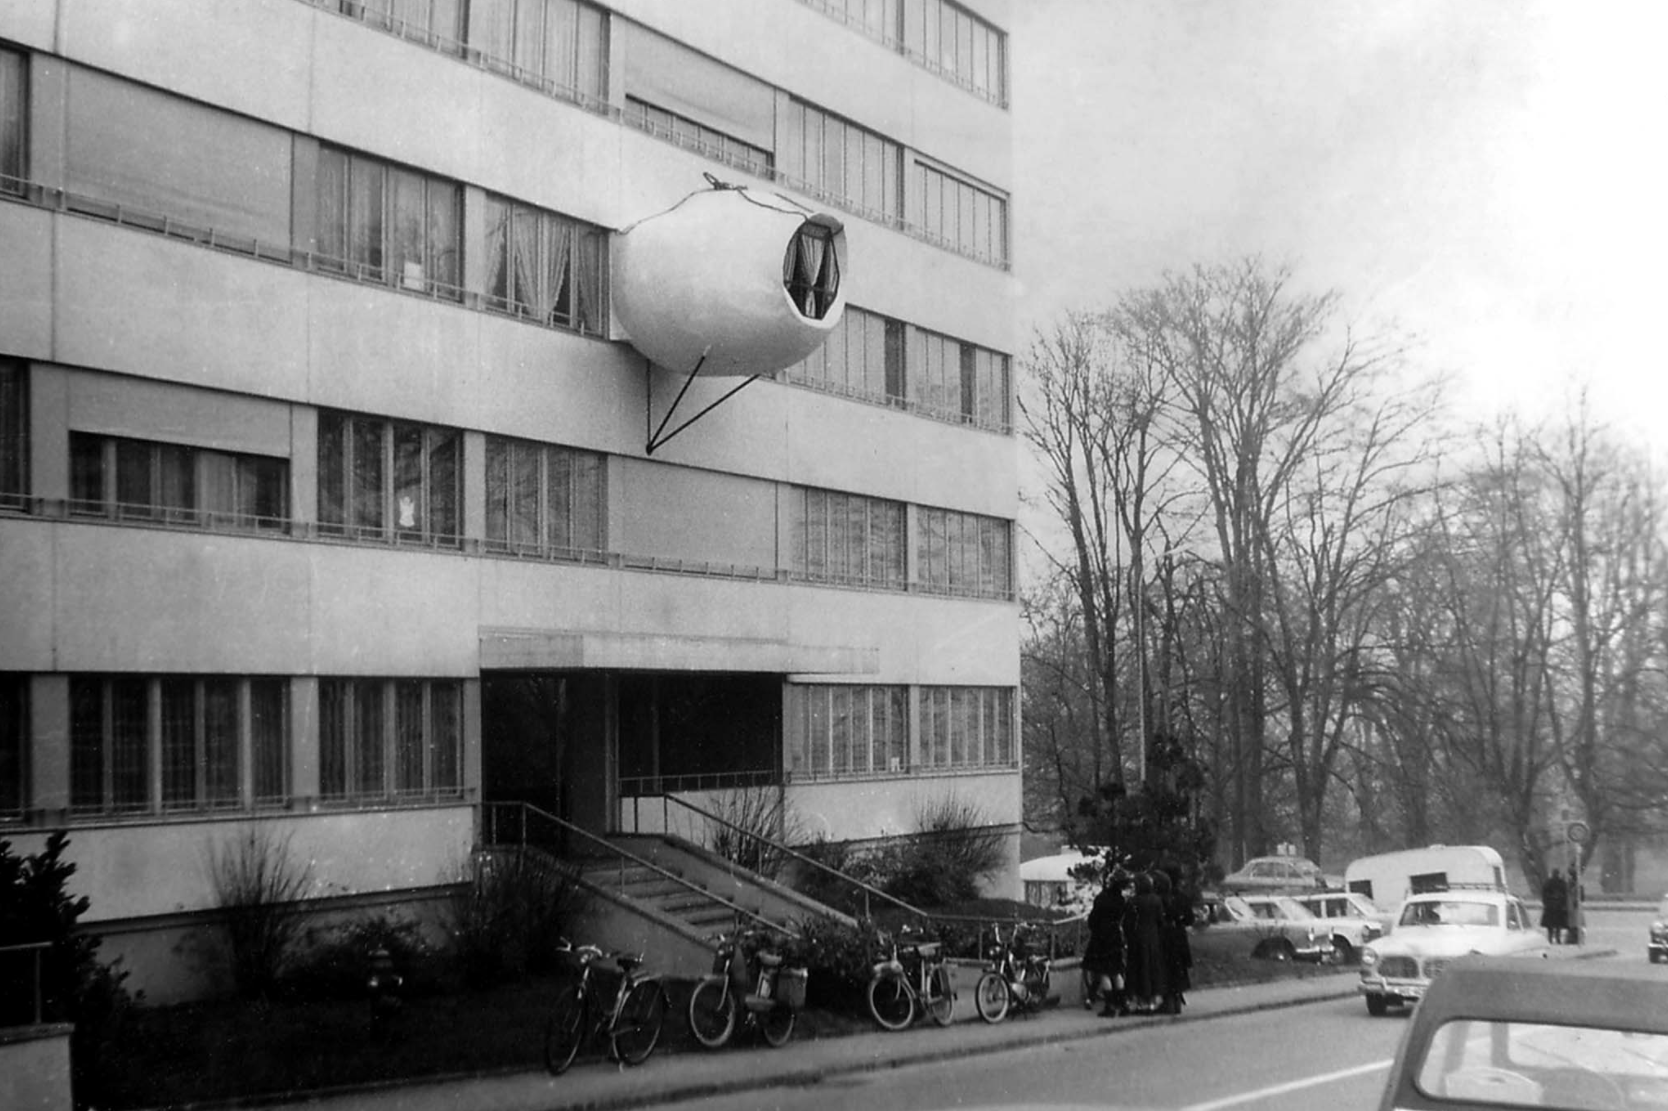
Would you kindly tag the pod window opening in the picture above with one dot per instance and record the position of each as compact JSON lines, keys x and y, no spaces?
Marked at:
{"x":811,"y":270}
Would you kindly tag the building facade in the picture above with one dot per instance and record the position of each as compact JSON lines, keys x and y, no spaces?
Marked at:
{"x":327,"y":497}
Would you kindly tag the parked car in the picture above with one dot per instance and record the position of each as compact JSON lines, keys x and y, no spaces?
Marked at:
{"x":1657,"y":948}
{"x":1275,"y":873}
{"x":1352,"y":919}
{"x":1246,"y":926}
{"x":1437,"y":927}
{"x":1511,"y":1033}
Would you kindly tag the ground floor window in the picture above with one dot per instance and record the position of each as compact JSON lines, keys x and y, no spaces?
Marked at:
{"x":966,"y":727}
{"x":14,"y":733}
{"x":14,"y":433}
{"x":390,"y":738}
{"x":853,"y":730}
{"x":142,"y":744}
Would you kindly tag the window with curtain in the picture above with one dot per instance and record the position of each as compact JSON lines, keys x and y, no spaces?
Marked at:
{"x":158,"y":155}
{"x":848,"y":538}
{"x":546,"y":267}
{"x":862,"y":357}
{"x":559,"y":46}
{"x":199,"y":730}
{"x":959,"y":46}
{"x":811,"y":270}
{"x":14,"y":434}
{"x":963,"y":553}
{"x":959,"y":381}
{"x":850,"y":730}
{"x":114,"y":476}
{"x":962,"y":216}
{"x":14,"y":745}
{"x":14,"y":119}
{"x":967,"y":727}
{"x":377,"y":222}
{"x":436,"y":23}
{"x":389,"y":480}
{"x":390,"y":738}
{"x":543,"y":499}
{"x":841,"y":162}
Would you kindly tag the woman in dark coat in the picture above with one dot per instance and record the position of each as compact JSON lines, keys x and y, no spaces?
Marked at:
{"x":1146,"y":979}
{"x":1178,"y":950}
{"x":1555,"y":907}
{"x":1104,"y":957}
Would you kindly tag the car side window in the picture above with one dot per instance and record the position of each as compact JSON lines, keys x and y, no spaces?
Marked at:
{"x":1514,"y":919}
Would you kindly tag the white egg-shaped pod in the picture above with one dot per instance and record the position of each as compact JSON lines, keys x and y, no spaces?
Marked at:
{"x":729,"y":281}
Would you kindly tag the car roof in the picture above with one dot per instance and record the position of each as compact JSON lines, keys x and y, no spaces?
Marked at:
{"x":1567,"y":992}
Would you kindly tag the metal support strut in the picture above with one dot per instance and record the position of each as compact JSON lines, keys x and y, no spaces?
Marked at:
{"x":655,"y":439}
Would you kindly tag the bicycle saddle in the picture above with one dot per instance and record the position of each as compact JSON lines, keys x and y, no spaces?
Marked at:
{"x":628,"y":961}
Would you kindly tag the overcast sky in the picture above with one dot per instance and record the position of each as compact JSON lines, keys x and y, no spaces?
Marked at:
{"x":1488,"y":174}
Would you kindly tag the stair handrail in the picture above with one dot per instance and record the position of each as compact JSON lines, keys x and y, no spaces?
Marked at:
{"x":626,"y":854}
{"x":868,"y":889}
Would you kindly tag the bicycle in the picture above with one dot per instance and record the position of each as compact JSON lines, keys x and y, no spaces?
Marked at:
{"x":909,"y":981}
{"x":770,"y":1002}
{"x":1019,"y":975}
{"x":631,"y":1021}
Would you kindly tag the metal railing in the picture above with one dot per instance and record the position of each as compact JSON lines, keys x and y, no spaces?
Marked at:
{"x":499,"y":820}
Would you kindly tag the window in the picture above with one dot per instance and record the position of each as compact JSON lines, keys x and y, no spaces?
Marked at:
{"x":113,"y":476}
{"x":879,"y":19}
{"x":685,"y":132}
{"x":14,"y":434}
{"x":960,"y":381}
{"x":960,"y":46}
{"x":848,"y":538}
{"x":14,"y":745}
{"x":149,"y":154}
{"x":438,"y":23}
{"x":963,"y":217}
{"x":863,"y":356}
{"x":200,"y":731}
{"x":543,"y":499}
{"x":382,"y":223}
{"x":963,"y":553}
{"x":14,"y":116}
{"x":389,"y":480}
{"x":967,"y":727}
{"x":852,"y":730}
{"x":546,"y":267}
{"x":841,"y":162}
{"x":811,"y":270}
{"x":560,"y":46}
{"x":383,"y":738}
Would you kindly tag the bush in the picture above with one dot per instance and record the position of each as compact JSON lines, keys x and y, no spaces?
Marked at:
{"x":759,"y":822}
{"x":335,"y":961}
{"x":257,"y":883}
{"x":839,"y":959}
{"x":955,"y":847}
{"x":509,"y":913}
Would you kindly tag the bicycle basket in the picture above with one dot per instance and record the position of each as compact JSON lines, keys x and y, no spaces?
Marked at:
{"x":790,"y":987}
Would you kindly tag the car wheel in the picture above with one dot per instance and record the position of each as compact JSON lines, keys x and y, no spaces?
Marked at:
{"x":1277,"y":950}
{"x":1342,"y":952}
{"x":1377,"y":1005}
{"x":1652,"y":955}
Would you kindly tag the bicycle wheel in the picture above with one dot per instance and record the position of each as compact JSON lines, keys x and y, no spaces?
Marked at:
{"x":890,"y":1002}
{"x":564,"y":1030}
{"x":638,"y":1028}
{"x":940,"y":999}
{"x":776,"y":1025}
{"x":990,"y":998}
{"x":712,"y":1012}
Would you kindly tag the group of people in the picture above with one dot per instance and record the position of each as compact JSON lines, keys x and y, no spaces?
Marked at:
{"x":1138,"y":949}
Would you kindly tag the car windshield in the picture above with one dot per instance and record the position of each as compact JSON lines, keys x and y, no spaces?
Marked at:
{"x":1291,"y":908}
{"x":1535,"y":1064}
{"x":1450,"y":912}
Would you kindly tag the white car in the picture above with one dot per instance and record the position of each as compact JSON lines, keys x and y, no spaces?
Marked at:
{"x":1435,"y":928}
{"x":1275,"y":873}
{"x":1350,"y":917}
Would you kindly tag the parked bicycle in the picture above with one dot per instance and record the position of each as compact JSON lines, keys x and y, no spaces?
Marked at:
{"x":630,"y":1021}
{"x":910,"y":980}
{"x":748,"y":987}
{"x":1019,"y":975}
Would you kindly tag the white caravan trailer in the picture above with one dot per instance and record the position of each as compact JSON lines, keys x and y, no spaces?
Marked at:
{"x":1388,"y":878}
{"x":1049,"y":882}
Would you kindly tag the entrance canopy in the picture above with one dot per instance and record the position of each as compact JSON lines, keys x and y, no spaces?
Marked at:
{"x":563,"y":650}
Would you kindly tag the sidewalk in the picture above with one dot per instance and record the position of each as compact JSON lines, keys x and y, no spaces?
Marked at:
{"x":600,"y":1086}
{"x":751,"y":1066}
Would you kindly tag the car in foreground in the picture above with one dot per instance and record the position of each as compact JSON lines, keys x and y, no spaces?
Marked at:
{"x":1436,"y":928}
{"x":1260,"y":927}
{"x":1589,"y":1035}
{"x":1351,"y":919}
{"x":1657,"y":948}
{"x":1275,"y":873}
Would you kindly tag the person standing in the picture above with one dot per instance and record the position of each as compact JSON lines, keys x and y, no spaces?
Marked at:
{"x":1104,"y":957}
{"x":1178,"y":949}
{"x":1145,"y":980}
{"x":1555,"y":907}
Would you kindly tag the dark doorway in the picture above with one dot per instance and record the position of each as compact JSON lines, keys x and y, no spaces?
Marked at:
{"x":688,"y":732}
{"x":545,"y":741}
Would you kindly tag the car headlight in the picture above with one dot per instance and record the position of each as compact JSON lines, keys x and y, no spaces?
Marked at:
{"x":1369,"y":958}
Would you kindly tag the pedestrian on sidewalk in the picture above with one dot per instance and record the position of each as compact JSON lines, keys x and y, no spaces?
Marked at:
{"x":1555,"y":907}
{"x":1146,"y":979}
{"x":1178,"y":949}
{"x":1104,"y":957}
